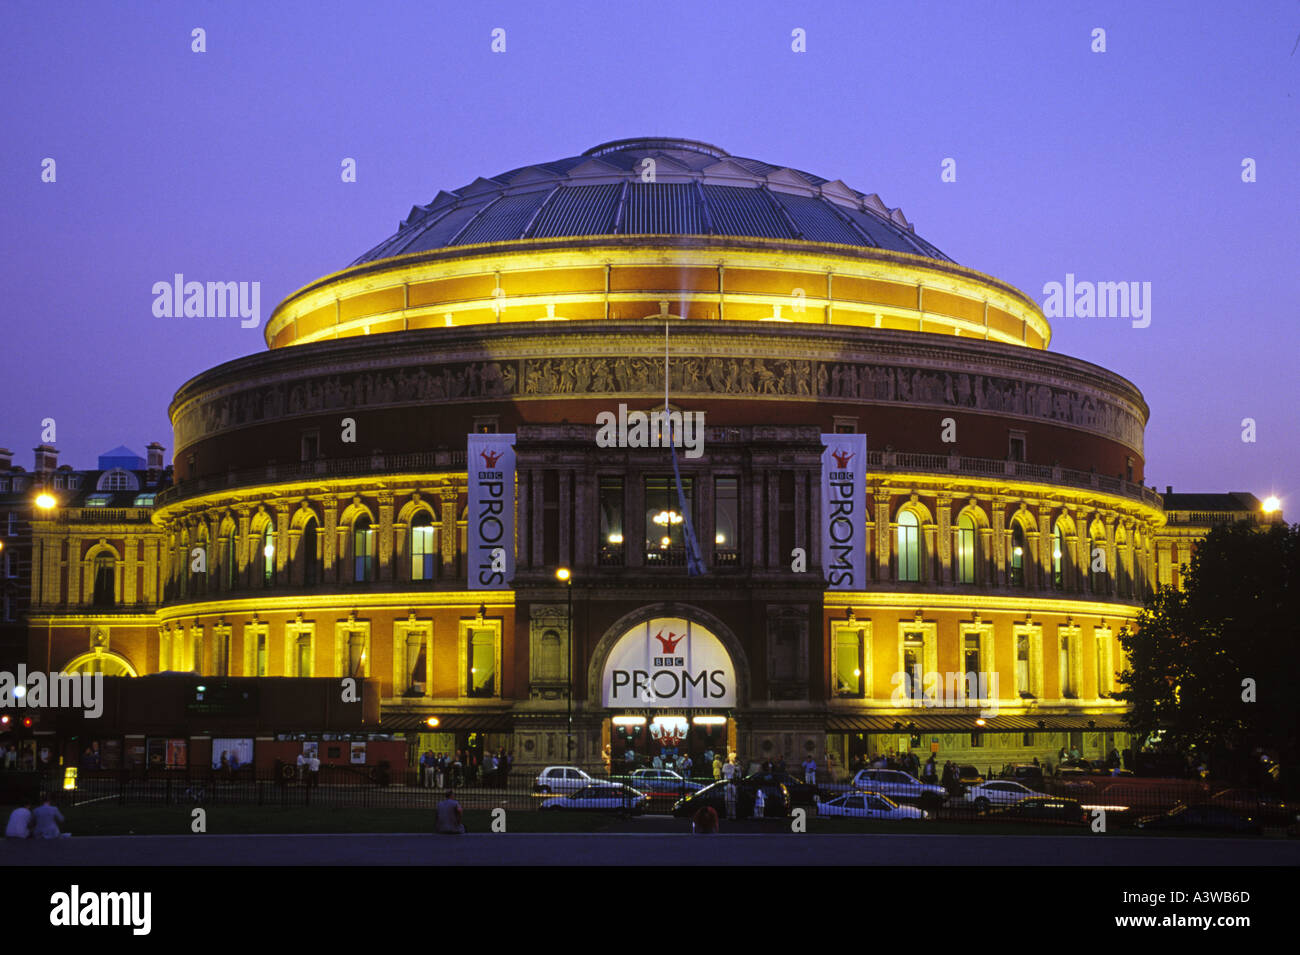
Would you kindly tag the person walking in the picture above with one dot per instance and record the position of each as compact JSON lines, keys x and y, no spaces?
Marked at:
{"x":313,"y":768}
{"x":302,"y":762}
{"x":46,"y":820}
{"x":729,"y":769}
{"x":449,"y":816}
{"x":760,"y":803}
{"x":729,"y":797}
{"x":810,"y":771}
{"x":717,"y":767}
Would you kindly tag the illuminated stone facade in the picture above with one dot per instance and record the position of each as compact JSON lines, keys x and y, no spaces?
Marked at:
{"x":316,"y":524}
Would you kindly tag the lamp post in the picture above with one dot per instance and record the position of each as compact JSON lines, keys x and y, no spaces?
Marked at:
{"x":562,"y":574}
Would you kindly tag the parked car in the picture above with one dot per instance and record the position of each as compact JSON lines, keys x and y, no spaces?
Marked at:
{"x":562,"y":779}
{"x":999,"y":792}
{"x":600,"y":796}
{"x":1202,"y":817}
{"x":898,"y":785}
{"x":969,"y":776}
{"x":1029,"y":774}
{"x":1268,"y":809}
{"x":801,"y":793}
{"x":776,"y":798}
{"x":1043,"y":809}
{"x":869,"y":806}
{"x":660,"y":783}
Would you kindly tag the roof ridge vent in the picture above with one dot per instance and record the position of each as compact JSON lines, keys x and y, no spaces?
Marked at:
{"x":651,"y":143}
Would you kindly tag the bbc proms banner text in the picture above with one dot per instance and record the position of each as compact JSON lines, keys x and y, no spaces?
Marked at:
{"x":491,"y":467}
{"x":844,"y":503}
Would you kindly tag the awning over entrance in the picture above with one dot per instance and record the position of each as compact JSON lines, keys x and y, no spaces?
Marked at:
{"x":923,"y":721}
{"x":470,"y":722}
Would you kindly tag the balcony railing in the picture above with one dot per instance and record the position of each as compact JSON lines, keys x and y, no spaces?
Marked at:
{"x":360,"y":466}
{"x":991,"y":467}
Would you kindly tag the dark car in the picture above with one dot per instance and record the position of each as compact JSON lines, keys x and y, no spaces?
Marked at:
{"x":1202,"y":817}
{"x":776,"y":798}
{"x":801,"y":793}
{"x":1054,"y":810}
{"x":1025,"y":773}
{"x":1269,"y":809}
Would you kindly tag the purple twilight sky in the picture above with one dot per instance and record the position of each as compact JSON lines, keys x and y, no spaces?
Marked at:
{"x":225,"y":165}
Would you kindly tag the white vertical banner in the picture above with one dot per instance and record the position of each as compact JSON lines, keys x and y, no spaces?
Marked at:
{"x":491,"y":519}
{"x":844,"y":511}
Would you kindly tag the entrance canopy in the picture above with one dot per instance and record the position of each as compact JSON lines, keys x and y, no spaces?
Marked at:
{"x":668,"y":663}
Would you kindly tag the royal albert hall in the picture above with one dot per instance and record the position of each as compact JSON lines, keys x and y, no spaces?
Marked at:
{"x":1004,"y":529}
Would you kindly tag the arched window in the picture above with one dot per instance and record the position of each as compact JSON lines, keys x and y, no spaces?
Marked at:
{"x":1017,"y":556}
{"x":966,"y":550}
{"x":422,"y":542}
{"x":1058,"y":557}
{"x":104,"y":580}
{"x":909,"y":547}
{"x":310,"y":561}
{"x":266,"y":554}
{"x":363,"y":550}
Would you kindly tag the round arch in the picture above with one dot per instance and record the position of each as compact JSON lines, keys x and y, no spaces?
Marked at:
{"x":99,"y":660}
{"x":619,"y":628}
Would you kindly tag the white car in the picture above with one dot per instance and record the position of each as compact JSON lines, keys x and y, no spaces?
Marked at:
{"x":608,"y":796}
{"x":562,"y":779}
{"x":897,"y":784}
{"x":999,"y":792}
{"x":869,"y":806}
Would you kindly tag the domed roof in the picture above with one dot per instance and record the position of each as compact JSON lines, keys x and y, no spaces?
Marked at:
{"x":697,"y":189}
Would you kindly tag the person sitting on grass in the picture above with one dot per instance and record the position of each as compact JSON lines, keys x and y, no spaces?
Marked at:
{"x":449,"y":817}
{"x":46,"y":820}
{"x":20,"y":823}
{"x":705,"y":821}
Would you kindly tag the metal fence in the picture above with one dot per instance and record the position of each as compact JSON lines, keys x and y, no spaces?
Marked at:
{"x":1055,"y":800}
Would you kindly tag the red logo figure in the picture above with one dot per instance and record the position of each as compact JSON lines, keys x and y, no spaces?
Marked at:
{"x":842,"y":458}
{"x":668,"y":643}
{"x":490,"y":458}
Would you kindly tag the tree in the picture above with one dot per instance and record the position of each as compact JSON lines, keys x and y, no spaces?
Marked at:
{"x":1215,"y":667}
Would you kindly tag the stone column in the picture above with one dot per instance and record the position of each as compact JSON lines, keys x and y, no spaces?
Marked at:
{"x":244,"y":549}
{"x":884,"y":540}
{"x":947,"y":572}
{"x":449,"y":530}
{"x":1045,"y":546}
{"x":1000,"y":541}
{"x":330,"y":544}
{"x":387,"y":565}
{"x":153,"y":566}
{"x":564,"y":515}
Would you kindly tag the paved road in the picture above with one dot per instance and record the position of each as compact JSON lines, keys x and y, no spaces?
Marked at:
{"x":647,"y":849}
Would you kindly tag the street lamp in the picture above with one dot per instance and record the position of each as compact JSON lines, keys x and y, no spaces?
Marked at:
{"x":45,"y":501}
{"x":563,"y":575}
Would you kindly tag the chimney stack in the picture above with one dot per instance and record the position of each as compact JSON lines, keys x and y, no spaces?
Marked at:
{"x":6,"y":459}
{"x":1169,"y":489}
{"x":47,"y":458}
{"x":155,"y":458}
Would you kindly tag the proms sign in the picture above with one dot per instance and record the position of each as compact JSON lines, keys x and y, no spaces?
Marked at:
{"x":491,"y":518}
{"x":844,"y":505}
{"x":668,"y":662}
